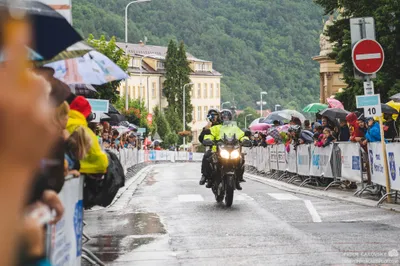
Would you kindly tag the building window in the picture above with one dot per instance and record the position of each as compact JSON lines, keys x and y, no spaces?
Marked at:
{"x":154,"y":91}
{"x":160,"y":65}
{"x":136,"y":62}
{"x":199,"y":113}
{"x":134,"y":92}
{"x":143,"y":92}
{"x":199,"y":90}
{"x":211,"y":90}
{"x":205,"y":111}
{"x":205,"y":90}
{"x":217,"y":91}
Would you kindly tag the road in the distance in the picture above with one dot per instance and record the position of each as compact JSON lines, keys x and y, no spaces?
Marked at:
{"x":171,"y":220}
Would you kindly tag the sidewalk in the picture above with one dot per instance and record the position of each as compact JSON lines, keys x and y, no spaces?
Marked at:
{"x":332,"y":193}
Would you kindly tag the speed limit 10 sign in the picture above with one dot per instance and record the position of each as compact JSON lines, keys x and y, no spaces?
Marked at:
{"x":371,"y":104}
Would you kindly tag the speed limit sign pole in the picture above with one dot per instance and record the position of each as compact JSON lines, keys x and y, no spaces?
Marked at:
{"x":368,"y":58}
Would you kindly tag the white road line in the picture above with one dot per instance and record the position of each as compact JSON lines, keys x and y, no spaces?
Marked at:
{"x":190,"y":198}
{"x":243,"y":197}
{"x":314,"y":214}
{"x":368,"y":56}
{"x":283,"y":196}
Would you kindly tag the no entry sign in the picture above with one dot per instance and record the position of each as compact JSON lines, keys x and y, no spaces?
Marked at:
{"x":368,"y":56}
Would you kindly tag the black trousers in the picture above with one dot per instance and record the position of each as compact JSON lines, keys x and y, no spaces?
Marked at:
{"x":206,"y":168}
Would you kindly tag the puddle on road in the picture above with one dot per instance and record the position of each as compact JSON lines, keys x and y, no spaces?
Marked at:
{"x":135,"y":232}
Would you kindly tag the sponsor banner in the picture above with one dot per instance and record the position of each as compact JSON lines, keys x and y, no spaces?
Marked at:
{"x":393,"y":153}
{"x":303,"y":160}
{"x":291,"y":160}
{"x":260,"y":159}
{"x":181,"y":156}
{"x":321,"y":161}
{"x":198,"y":157}
{"x":350,"y":161}
{"x":376,"y":162}
{"x":141,"y":156}
{"x":66,"y":238}
{"x":273,"y":157}
{"x":282,"y":162}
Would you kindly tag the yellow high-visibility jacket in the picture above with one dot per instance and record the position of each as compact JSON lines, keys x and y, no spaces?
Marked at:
{"x":215,"y":134}
{"x":96,"y":161}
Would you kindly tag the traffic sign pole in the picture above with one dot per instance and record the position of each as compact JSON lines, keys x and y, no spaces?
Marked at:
{"x":368,"y":57}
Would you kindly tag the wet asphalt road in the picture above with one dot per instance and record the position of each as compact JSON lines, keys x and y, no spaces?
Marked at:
{"x":171,"y":220}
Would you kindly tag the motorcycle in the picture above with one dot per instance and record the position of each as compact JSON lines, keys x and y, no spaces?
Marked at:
{"x":226,"y":162}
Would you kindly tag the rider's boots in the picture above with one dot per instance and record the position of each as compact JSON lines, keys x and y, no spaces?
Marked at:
{"x":203,"y":180}
{"x":209,"y":183}
{"x":238,"y":187}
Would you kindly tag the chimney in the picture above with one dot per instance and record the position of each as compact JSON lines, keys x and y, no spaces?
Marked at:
{"x":141,"y":43}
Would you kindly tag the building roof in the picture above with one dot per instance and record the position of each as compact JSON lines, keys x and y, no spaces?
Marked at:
{"x":159,"y":53}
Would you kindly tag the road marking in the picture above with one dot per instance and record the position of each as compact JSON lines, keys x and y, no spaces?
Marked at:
{"x":368,"y":56}
{"x":313,"y":212}
{"x":283,"y":196}
{"x":243,"y":197}
{"x":190,"y":198}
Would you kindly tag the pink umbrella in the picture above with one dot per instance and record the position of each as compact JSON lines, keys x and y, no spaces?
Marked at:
{"x":283,"y":128}
{"x":333,"y":103}
{"x":261,"y":127}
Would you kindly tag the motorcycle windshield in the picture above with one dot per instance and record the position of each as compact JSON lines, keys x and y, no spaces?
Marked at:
{"x":229,"y":130}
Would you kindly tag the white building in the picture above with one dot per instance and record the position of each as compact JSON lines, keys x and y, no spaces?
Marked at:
{"x":206,"y":92}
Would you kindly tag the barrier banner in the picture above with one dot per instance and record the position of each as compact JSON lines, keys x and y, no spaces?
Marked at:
{"x":267,"y":166}
{"x":281,"y":152}
{"x":66,"y":241}
{"x":393,"y":151}
{"x":303,"y":160}
{"x":161,"y":156}
{"x":291,"y":160}
{"x":376,"y":162}
{"x":181,"y":156}
{"x":141,"y":156}
{"x":350,"y":161}
{"x":198,"y":157}
{"x":321,"y":161}
{"x":254,"y":157}
{"x":260,"y":159}
{"x":273,"y":158}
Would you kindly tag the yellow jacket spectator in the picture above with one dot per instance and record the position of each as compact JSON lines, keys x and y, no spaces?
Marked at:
{"x":96,"y":161}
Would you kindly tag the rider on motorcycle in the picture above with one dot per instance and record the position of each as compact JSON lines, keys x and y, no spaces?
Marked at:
{"x":214,"y":135}
{"x":206,"y":170}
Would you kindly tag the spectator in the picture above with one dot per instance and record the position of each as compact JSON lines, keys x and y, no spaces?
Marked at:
{"x":274,"y":133}
{"x":374,"y":132}
{"x":307,"y":125}
{"x":78,"y":145}
{"x":295,"y":121}
{"x":326,"y":138}
{"x":357,"y":131}
{"x":96,"y":161}
{"x":325,"y":123}
{"x":389,"y":127}
{"x":344,"y":131}
{"x":132,"y":140}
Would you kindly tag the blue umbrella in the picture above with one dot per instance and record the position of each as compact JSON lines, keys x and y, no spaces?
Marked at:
{"x":93,"y":68}
{"x":52,"y":33}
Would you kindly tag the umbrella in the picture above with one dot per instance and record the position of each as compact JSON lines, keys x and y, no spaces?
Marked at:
{"x":395,"y":97}
{"x":113,"y":110}
{"x":262,"y":127}
{"x":116,"y":118}
{"x":93,"y":68}
{"x":315,"y":107}
{"x":334,"y":113}
{"x":285,"y":115}
{"x":283,"y":128}
{"x":82,"y":89}
{"x":121,"y":129}
{"x":104,"y":117}
{"x":333,"y":103}
{"x":128,"y":125}
{"x":59,"y":90}
{"x":386,"y":109}
{"x":52,"y":33}
{"x":78,"y":49}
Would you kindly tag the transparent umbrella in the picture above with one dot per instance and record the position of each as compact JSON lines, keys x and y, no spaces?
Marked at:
{"x":285,"y":115}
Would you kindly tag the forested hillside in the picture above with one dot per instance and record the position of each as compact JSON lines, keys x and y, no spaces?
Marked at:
{"x":256,"y":44}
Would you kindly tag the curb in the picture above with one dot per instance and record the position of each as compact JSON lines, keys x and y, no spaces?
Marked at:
{"x":320,"y":194}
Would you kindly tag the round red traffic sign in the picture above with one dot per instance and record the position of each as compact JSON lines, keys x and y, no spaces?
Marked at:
{"x":368,"y":56}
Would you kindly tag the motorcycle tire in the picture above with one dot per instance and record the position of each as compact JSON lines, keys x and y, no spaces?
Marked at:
{"x":230,"y":188}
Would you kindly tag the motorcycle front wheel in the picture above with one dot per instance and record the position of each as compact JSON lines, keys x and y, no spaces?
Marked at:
{"x":230,"y":188}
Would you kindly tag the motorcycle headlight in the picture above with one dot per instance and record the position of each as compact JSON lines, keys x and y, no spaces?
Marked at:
{"x":235,"y":154}
{"x":224,"y":154}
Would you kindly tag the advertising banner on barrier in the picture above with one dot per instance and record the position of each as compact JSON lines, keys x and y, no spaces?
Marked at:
{"x":393,"y":151}
{"x":376,"y":162}
{"x":350,"y":161}
{"x":260,"y":159}
{"x":281,"y":152}
{"x":66,"y":243}
{"x":273,"y":157}
{"x":291,"y":160}
{"x":303,"y":160}
{"x":321,"y":161}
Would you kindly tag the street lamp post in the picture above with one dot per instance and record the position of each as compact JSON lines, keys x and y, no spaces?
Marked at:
{"x":222,"y":105}
{"x":184,"y":113}
{"x":245,"y":120}
{"x":126,"y":47}
{"x":261,"y":103}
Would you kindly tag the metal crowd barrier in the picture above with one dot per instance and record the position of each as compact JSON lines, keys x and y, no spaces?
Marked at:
{"x":330,"y":166}
{"x":65,"y":240}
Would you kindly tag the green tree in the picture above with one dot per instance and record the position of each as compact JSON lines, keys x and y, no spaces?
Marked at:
{"x":171,"y":72}
{"x":247,"y":111}
{"x":161,"y":123}
{"x":387,"y":24}
{"x":174,"y":122}
{"x":110,"y":49}
{"x":183,"y":73}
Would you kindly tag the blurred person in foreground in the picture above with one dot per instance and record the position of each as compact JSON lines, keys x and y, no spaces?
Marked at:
{"x":21,"y":150}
